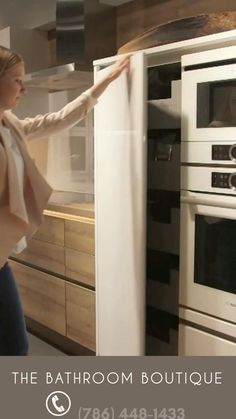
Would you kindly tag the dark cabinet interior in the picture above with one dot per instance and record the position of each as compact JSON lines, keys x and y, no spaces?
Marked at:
{"x":163,"y":209}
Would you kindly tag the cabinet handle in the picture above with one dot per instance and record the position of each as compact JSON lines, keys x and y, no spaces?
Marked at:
{"x":208,"y":202}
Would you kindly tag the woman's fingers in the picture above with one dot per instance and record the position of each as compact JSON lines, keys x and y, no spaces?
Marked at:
{"x":119,"y":66}
{"x":124,"y":63}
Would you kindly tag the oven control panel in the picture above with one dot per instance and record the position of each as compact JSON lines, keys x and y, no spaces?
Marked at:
{"x":223,"y":180}
{"x":223,"y":152}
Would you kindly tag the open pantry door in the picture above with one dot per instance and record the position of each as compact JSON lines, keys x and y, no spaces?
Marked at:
{"x":120,"y":211}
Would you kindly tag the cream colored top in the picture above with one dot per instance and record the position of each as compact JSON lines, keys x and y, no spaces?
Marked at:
{"x":13,"y":225}
{"x":6,"y":134}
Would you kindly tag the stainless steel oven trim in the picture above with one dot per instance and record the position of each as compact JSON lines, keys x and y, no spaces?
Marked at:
{"x":210,"y":202}
{"x":211,"y":323}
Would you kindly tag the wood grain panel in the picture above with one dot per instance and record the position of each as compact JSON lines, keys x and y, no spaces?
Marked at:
{"x":44,"y":255}
{"x":51,"y":231}
{"x":80,"y":236}
{"x":80,"y":266}
{"x":181,"y":29}
{"x":80,"y":315}
{"x":138,"y":16}
{"x":43,"y":296}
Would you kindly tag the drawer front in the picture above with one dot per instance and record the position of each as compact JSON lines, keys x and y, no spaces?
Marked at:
{"x":42,"y":295}
{"x":194,"y":342}
{"x":44,"y":255}
{"x":80,"y":236}
{"x":80,"y":266}
{"x":80,"y":315}
{"x":51,"y":231}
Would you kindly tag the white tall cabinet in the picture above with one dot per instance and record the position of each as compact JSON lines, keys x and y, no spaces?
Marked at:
{"x":120,"y":204}
{"x":120,"y":196}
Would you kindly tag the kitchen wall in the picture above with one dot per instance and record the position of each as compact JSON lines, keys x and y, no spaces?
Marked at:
{"x":133,"y":18}
{"x":139,"y":15}
{"x":27,"y":13}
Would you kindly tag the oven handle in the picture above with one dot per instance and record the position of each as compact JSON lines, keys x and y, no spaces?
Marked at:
{"x":208,"y":202}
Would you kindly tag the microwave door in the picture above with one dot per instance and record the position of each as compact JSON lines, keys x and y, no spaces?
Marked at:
{"x":208,"y":259}
{"x":209,"y":104}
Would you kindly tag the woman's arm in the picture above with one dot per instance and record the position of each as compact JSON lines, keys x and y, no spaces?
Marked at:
{"x":51,"y":123}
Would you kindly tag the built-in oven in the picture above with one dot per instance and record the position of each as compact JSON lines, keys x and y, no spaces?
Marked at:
{"x":208,"y":241}
{"x":209,"y":96}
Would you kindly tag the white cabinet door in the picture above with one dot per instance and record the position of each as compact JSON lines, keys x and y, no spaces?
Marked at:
{"x":120,"y":212}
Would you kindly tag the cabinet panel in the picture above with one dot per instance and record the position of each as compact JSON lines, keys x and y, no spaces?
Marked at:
{"x":51,"y":231}
{"x":80,"y":266}
{"x":194,"y":342}
{"x":120,"y":179}
{"x":45,"y":255}
{"x":80,"y":236}
{"x":80,"y":315}
{"x":43,"y":296}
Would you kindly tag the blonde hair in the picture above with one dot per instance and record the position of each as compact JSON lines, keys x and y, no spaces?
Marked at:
{"x":8,"y":59}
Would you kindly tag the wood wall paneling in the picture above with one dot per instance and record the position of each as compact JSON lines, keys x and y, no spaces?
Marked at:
{"x":140,"y":15}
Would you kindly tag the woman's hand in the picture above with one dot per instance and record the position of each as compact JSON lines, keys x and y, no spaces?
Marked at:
{"x":118,"y":67}
{"x":114,"y":71}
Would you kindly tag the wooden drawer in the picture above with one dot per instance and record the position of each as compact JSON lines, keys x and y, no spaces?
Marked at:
{"x":80,"y":315}
{"x":79,"y":235}
{"x":51,"y":231}
{"x":80,"y":266}
{"x":44,"y":255}
{"x":42,"y":295}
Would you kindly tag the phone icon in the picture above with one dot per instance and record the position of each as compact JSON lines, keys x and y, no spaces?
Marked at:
{"x":58,"y":403}
{"x":55,"y":403}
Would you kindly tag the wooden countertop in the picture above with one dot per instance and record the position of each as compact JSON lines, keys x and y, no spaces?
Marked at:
{"x":71,"y":211}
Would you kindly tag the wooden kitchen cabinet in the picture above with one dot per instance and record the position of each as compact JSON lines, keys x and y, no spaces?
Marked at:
{"x":80,"y":315}
{"x":80,"y":267}
{"x":79,"y":235}
{"x":61,"y":251}
{"x":48,"y":256}
{"x":51,"y":231}
{"x":80,"y":251}
{"x":42,"y":295}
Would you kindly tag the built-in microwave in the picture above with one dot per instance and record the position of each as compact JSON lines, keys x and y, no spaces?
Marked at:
{"x":209,"y":95}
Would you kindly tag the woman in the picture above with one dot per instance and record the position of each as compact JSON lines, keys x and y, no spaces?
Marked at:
{"x":23,"y":191}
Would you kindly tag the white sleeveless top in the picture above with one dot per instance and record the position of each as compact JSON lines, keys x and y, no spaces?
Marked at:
{"x":6,"y":134}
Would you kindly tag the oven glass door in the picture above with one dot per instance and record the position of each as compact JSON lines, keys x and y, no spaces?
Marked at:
{"x":215,"y":252}
{"x":209,"y":104}
{"x":208,"y":258}
{"x":216,"y":104}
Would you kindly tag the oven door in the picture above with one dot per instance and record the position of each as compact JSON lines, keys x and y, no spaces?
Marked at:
{"x":209,"y":104}
{"x":208,"y":254}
